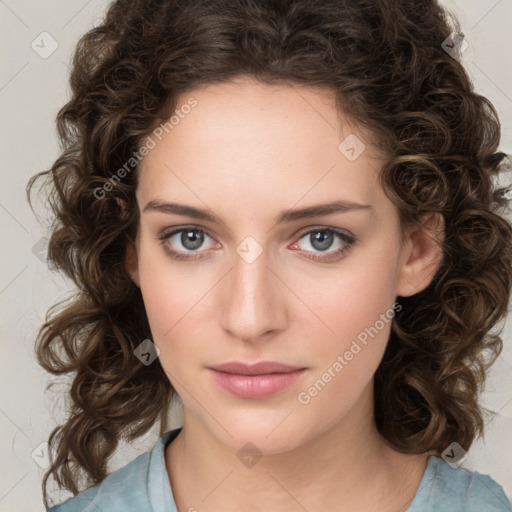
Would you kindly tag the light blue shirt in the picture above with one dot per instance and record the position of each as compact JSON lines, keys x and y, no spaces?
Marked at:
{"x":143,"y":486}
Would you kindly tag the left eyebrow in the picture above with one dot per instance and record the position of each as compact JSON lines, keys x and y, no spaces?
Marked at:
{"x":283,"y":217}
{"x":320,"y":209}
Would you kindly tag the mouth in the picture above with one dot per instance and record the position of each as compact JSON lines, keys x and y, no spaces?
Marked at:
{"x":255,"y":381}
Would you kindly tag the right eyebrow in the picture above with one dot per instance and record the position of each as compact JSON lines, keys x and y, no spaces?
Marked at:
{"x":181,"y":209}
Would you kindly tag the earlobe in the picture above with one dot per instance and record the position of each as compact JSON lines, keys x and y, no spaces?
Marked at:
{"x":422,"y":256}
{"x":131,"y":263}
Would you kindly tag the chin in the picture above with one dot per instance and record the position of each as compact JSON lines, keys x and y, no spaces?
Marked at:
{"x":268,"y":433}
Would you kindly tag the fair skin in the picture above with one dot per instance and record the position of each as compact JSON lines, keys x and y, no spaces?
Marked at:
{"x":245,"y":153}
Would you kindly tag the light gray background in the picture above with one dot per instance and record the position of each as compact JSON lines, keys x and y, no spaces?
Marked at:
{"x":32,"y":90}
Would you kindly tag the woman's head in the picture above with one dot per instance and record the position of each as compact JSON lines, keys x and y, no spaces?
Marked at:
{"x":263,"y":283}
{"x":275,"y":106}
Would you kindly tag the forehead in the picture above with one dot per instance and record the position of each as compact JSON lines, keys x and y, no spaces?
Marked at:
{"x":246,"y":138}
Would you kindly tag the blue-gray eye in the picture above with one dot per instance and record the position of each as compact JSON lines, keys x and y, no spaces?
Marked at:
{"x":321,"y":240}
{"x":192,"y":239}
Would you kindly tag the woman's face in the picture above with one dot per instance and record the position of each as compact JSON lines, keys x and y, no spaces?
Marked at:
{"x":257,"y":274}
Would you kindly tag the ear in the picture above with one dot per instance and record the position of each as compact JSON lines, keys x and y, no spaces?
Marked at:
{"x":131,"y":263}
{"x":422,"y":255}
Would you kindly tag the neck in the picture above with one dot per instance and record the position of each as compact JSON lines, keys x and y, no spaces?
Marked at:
{"x":348,"y":466}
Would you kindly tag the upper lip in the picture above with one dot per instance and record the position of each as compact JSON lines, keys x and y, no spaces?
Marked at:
{"x":261,"y":368}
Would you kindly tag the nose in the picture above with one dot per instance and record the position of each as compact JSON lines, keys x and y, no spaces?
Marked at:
{"x":253,"y":300}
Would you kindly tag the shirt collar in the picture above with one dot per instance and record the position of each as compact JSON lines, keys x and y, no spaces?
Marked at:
{"x":158,"y":484}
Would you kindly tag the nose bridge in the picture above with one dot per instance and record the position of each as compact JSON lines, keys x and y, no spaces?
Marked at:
{"x":252,"y":304}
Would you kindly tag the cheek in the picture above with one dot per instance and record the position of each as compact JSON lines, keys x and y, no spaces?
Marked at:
{"x":166,"y":298}
{"x":359,"y":309}
{"x":171,"y":319}
{"x":357,"y":306}
{"x":177,"y":304}
{"x":352,"y":300}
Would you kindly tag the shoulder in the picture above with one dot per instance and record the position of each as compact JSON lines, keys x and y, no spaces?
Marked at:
{"x":125,"y":489}
{"x":455,"y":489}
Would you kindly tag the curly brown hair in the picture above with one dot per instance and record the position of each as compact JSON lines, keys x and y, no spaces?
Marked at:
{"x":385,"y":62}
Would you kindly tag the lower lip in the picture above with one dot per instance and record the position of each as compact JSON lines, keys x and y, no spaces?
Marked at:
{"x":256,"y":386}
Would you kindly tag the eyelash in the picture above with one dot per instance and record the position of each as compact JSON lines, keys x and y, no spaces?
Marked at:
{"x":348,"y":240}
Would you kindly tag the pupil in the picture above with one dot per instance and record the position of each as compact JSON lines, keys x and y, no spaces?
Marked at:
{"x":322,"y":241}
{"x":191,"y":239}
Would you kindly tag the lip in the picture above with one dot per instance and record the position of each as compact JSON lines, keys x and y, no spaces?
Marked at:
{"x":260,"y":368}
{"x":255,"y":381}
